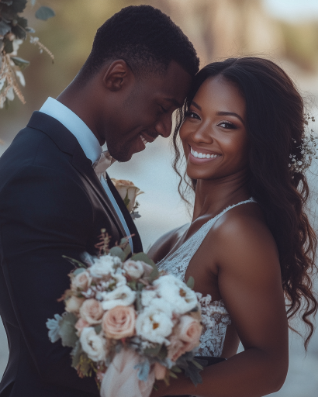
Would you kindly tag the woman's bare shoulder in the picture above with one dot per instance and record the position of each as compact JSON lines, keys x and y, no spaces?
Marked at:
{"x":165,"y":243}
{"x":243,"y":231}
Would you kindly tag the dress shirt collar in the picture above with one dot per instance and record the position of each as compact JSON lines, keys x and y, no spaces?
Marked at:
{"x":76,"y":126}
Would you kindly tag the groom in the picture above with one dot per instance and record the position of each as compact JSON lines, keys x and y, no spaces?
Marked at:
{"x":54,"y":198}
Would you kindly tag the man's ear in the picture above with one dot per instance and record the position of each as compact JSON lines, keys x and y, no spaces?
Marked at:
{"x":117,"y":76}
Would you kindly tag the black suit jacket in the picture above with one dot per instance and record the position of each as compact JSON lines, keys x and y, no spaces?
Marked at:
{"x":51,"y":204}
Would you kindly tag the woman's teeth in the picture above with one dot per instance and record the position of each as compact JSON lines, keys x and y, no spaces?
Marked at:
{"x":203,"y":155}
{"x":144,"y":141}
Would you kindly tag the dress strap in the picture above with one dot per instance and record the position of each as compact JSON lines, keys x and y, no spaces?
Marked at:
{"x":180,"y":259}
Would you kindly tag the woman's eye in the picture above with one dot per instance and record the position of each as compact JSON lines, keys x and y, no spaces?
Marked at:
{"x":227,"y":125}
{"x":191,"y":115}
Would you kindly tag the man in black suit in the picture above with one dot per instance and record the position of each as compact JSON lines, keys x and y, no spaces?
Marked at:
{"x":53,"y":203}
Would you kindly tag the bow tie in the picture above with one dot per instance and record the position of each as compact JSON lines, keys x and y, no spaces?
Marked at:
{"x":100,"y":166}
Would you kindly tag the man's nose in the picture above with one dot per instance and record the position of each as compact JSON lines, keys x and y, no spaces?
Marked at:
{"x":163,"y":127}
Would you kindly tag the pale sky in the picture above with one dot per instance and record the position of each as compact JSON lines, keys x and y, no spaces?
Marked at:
{"x":293,"y":10}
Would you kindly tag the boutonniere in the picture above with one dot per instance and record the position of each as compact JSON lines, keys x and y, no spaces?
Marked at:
{"x":128,"y":192}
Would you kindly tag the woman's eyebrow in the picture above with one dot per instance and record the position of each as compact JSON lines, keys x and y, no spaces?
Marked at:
{"x":230,"y":114}
{"x":196,"y":105}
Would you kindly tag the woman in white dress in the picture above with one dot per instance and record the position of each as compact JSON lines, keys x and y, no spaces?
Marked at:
{"x":249,"y":247}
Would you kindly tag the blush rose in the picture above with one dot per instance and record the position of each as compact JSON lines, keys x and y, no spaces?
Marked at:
{"x":119,"y":322}
{"x":91,"y":311}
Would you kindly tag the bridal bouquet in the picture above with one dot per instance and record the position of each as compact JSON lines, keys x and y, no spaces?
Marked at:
{"x":127,"y":323}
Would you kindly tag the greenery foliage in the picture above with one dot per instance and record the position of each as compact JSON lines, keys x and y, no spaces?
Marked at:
{"x":14,"y":30}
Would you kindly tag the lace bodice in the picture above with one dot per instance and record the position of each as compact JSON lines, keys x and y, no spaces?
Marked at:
{"x":215,"y":317}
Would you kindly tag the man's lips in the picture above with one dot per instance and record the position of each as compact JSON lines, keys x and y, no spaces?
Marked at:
{"x":146,"y":138}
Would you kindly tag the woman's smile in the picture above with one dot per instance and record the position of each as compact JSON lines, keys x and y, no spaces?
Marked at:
{"x":199,"y":156}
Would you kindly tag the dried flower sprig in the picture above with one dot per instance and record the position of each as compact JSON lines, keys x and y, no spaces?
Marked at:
{"x":14,"y":30}
{"x":307,"y":150}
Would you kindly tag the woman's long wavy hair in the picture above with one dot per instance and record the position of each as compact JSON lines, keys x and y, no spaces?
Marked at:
{"x":275,"y":124}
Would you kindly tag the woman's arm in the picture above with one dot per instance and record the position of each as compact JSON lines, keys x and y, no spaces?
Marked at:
{"x":250,"y":284}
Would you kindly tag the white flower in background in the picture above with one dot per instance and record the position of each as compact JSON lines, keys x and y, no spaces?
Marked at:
{"x":122,"y":295}
{"x":134,"y":269}
{"x":150,"y":298}
{"x":154,"y":325}
{"x":104,"y":266}
{"x":20,"y":77}
{"x":16,"y":45}
{"x":181,"y":298}
{"x":127,"y":191}
{"x":93,"y":345}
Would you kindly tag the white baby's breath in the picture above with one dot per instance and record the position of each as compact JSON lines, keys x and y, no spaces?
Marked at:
{"x":104,"y":266}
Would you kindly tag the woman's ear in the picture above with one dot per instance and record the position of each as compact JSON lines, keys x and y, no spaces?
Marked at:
{"x":117,"y":76}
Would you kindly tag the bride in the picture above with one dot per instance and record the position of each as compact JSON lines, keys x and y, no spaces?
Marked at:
{"x":250,"y":245}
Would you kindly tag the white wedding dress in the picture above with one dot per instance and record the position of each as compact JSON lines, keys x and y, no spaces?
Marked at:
{"x":215,"y":317}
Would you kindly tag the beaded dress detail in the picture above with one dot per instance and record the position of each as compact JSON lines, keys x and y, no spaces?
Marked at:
{"x":215,"y":317}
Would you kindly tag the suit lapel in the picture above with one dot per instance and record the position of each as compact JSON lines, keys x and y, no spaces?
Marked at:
{"x":67,"y":143}
{"x":130,"y":223}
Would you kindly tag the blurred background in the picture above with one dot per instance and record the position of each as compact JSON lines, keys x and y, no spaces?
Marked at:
{"x":285,"y":31}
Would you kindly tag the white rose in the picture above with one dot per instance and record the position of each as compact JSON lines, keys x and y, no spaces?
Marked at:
{"x":119,"y":279}
{"x":147,"y":297}
{"x":127,"y":191}
{"x":154,"y":325}
{"x":104,"y":266}
{"x":93,"y":345}
{"x":122,"y":295}
{"x":134,"y":269}
{"x":181,"y":298}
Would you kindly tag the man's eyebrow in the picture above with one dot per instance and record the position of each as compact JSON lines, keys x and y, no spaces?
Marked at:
{"x":174,"y":101}
{"x":231,"y":114}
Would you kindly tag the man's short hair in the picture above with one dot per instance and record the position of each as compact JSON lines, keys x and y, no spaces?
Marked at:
{"x":145,"y":38}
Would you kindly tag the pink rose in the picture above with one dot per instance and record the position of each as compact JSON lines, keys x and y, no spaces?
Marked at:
{"x":159,"y":371}
{"x":91,"y":311}
{"x":176,"y":348}
{"x":80,"y":325}
{"x":73,"y":304}
{"x":189,"y":330}
{"x":119,"y":322}
{"x":81,"y":281}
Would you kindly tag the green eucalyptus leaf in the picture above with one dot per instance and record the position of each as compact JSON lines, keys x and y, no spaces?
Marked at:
{"x":144,"y":258}
{"x":126,"y":200}
{"x":78,"y":271}
{"x":18,"y":5}
{"x":8,"y":46}
{"x":190,"y":282}
{"x":127,"y":250}
{"x":153,"y":351}
{"x":76,"y":354}
{"x":163,"y":353}
{"x":22,"y":63}
{"x":117,"y":251}
{"x":154,"y":274}
{"x":98,"y":328}
{"x":176,"y":369}
{"x":4,"y":28}
{"x":74,"y":262}
{"x":133,"y":285}
{"x":173,"y":375}
{"x":67,"y":330}
{"x":44,"y":13}
{"x":33,"y":2}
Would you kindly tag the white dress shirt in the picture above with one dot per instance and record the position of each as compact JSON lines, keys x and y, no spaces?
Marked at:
{"x":88,"y":142}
